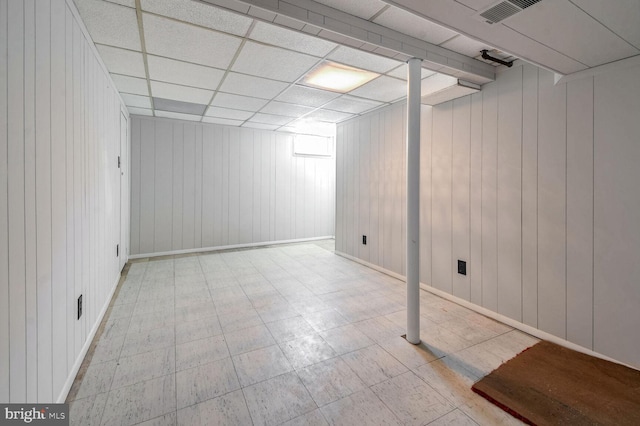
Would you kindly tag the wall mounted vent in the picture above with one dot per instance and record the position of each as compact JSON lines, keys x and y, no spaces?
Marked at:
{"x":498,"y":12}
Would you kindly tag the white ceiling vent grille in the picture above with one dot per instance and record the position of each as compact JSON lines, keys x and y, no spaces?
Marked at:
{"x":505,"y":9}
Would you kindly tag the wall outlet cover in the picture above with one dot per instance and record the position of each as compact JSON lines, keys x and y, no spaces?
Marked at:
{"x":462,"y":267}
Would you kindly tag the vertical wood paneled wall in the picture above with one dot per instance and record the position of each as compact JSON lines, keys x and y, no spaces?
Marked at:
{"x":204,"y":186}
{"x":533,"y":184}
{"x":59,"y":196}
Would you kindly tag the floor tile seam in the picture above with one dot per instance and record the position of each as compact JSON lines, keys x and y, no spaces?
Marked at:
{"x":479,"y":343}
{"x":103,"y":408}
{"x":239,"y":388}
{"x":145,"y":352}
{"x":128,"y":386}
{"x":426,"y":383}
{"x":98,"y":393}
{"x":156,"y":418}
{"x":155,"y":327}
{"x":244,"y":397}
{"x":235,"y":371}
{"x":384,"y":403}
{"x":458,"y":334}
{"x":280,"y":375}
{"x":310,"y":365}
{"x":140,"y":381}
{"x":292,"y":370}
{"x":354,"y":350}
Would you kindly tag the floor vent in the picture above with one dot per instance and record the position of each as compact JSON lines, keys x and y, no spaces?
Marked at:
{"x":503,"y":10}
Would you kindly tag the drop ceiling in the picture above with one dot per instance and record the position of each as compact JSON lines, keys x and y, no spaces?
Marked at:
{"x":197,"y":61}
{"x":243,"y":65}
{"x":565,"y":36}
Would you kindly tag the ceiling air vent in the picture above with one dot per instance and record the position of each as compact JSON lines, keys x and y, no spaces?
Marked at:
{"x":505,"y":9}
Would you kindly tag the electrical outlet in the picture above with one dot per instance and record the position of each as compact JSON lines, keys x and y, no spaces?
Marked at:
{"x":79,"y":306}
{"x":462,"y":267}
{"x":364,"y":240}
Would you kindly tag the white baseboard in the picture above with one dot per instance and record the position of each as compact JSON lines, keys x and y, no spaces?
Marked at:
{"x":228,"y":247}
{"x":85,"y":348}
{"x":491,"y":314}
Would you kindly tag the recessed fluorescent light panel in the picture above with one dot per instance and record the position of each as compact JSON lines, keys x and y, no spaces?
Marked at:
{"x":337,"y":77}
{"x":178,"y":106}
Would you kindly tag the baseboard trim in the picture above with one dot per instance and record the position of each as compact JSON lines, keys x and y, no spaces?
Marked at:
{"x":491,"y":314}
{"x":85,"y":348}
{"x":228,"y":247}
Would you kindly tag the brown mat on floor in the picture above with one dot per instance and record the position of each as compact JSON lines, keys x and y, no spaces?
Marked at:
{"x":548,"y":384}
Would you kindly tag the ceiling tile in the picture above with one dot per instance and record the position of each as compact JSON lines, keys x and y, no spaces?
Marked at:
{"x":228,"y":100}
{"x":284,"y":108}
{"x":359,"y":8}
{"x":623,"y":19}
{"x":569,"y":30}
{"x":272,"y":62}
{"x":290,"y":39}
{"x":216,"y":120}
{"x":177,"y":40}
{"x":178,"y":106}
{"x":200,"y":14}
{"x":180,"y":93}
{"x":413,"y":25}
{"x":262,"y":126}
{"x":140,"y":111}
{"x":247,"y":85}
{"x":401,"y":72}
{"x":352,"y":105}
{"x":178,"y":116}
{"x":329,"y":116}
{"x":136,"y":100}
{"x":307,"y":96}
{"x":187,"y":74}
{"x":383,"y":88}
{"x":465,"y":46}
{"x":134,"y":85}
{"x":236,"y":5}
{"x":234,"y":114}
{"x":476,"y":4}
{"x":121,"y":61}
{"x":109,"y":23}
{"x":270,"y":119}
{"x":364,"y":60}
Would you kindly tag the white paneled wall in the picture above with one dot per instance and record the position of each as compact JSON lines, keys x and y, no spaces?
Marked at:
{"x":198,"y":186}
{"x":370,"y":188}
{"x":59,"y":197}
{"x":533,"y":184}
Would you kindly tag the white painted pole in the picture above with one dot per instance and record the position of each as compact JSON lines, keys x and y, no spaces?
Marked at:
{"x":413,"y":200}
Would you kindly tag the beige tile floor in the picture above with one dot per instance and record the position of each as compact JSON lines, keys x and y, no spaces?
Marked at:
{"x":291,"y":335}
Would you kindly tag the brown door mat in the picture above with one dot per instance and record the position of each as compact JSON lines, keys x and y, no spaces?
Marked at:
{"x":548,"y":384}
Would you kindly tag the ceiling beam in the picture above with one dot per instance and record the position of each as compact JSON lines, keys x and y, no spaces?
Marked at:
{"x":339,"y":26}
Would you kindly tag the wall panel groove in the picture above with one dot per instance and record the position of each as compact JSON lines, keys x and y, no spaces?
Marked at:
{"x":222,"y":186}
{"x":59,"y":129}
{"x":537,"y":184}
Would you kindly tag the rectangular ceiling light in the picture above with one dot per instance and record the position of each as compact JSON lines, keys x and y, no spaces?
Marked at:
{"x":337,"y":77}
{"x":178,"y":106}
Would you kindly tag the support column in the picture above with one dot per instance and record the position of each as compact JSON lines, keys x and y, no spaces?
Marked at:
{"x":413,"y":199}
